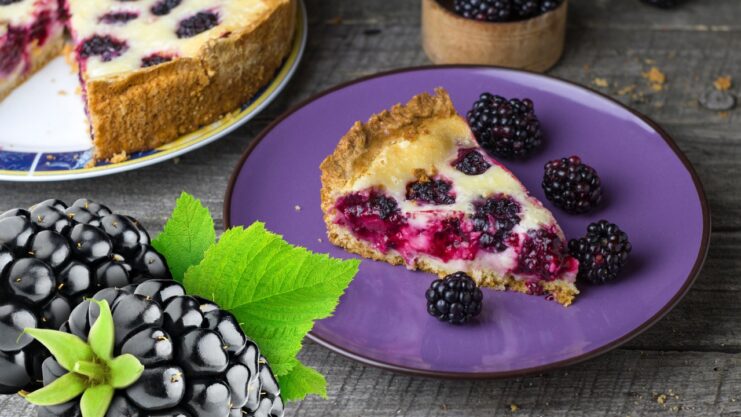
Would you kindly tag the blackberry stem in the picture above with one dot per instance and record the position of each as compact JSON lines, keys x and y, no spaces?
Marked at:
{"x":92,"y":370}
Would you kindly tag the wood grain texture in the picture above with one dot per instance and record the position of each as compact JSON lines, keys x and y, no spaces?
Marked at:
{"x":693,"y":356}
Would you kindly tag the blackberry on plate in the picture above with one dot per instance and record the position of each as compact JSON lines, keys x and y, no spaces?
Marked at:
{"x":602,"y":253}
{"x":572,"y":185}
{"x":51,"y":257}
{"x":455,"y":298}
{"x":505,"y":128}
{"x":194,"y":358}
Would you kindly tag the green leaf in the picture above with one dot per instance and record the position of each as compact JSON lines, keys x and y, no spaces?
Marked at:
{"x":275,"y":290}
{"x":65,"y":388}
{"x":66,"y":348}
{"x":300,"y":382}
{"x":96,"y":400}
{"x":124,"y":371}
{"x":187,"y":235}
{"x":101,"y":335}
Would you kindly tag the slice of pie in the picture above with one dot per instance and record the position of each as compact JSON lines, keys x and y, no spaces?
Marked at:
{"x":31,"y":34}
{"x":412,"y":187}
{"x":151,"y":70}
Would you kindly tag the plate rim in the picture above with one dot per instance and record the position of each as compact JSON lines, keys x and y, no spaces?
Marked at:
{"x":660,"y":314}
{"x":277,"y":84}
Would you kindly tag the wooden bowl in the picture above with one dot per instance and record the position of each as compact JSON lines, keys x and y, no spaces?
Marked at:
{"x":534,"y":44}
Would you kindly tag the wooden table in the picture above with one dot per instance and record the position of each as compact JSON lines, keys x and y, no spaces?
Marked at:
{"x":687,"y":365}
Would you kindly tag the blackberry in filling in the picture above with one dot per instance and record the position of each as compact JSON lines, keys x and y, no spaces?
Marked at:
{"x":8,"y":2}
{"x":155,"y":59}
{"x":542,"y":254}
{"x":164,"y":7}
{"x":104,"y":46}
{"x":117,"y":17}
{"x":471,"y":162}
{"x":431,"y":191}
{"x":11,"y":51}
{"x":505,"y":128}
{"x":198,"y":23}
{"x":372,"y":216}
{"x":495,"y":218}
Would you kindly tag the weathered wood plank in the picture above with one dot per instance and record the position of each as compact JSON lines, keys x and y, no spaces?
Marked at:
{"x":621,"y":383}
{"x":694,"y":353}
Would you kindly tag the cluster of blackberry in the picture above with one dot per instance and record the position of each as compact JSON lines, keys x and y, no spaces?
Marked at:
{"x":55,"y":258}
{"x":504,"y":10}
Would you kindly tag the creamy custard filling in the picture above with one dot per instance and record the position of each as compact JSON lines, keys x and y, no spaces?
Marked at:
{"x":114,"y":37}
{"x":482,"y":222}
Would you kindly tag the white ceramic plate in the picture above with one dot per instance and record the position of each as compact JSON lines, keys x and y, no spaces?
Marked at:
{"x":57,"y":146}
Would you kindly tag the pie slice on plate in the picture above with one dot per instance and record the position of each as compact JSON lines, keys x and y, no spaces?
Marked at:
{"x":412,"y":187}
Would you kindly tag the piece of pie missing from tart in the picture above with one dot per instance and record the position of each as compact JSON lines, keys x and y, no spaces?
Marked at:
{"x":412,"y":187}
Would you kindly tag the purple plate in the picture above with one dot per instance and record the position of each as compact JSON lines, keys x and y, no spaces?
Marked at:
{"x":652,"y":193}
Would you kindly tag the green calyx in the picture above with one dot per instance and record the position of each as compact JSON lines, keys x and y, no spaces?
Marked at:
{"x":94,"y":374}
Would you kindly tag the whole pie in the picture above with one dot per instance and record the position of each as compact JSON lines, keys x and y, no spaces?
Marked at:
{"x":412,"y":187}
{"x":150,"y":70}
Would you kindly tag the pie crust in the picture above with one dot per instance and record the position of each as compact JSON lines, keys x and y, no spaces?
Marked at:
{"x":354,"y":155}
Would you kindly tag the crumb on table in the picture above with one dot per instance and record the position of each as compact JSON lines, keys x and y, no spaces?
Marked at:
{"x":656,"y":78}
{"x":723,"y":83}
{"x":601,"y":82}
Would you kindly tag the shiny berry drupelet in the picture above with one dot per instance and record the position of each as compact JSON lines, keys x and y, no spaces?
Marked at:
{"x":602,"y":253}
{"x":455,"y":298}
{"x":198,"y":361}
{"x":505,"y":128}
{"x":484,"y":10}
{"x":572,"y":185}
{"x":52,"y":257}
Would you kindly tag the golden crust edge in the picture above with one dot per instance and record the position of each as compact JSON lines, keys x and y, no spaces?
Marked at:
{"x":272,"y":36}
{"x":362,"y":143}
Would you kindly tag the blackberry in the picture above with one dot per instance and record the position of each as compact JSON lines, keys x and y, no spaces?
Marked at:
{"x":49,"y":262}
{"x":495,"y":218}
{"x":549,"y":5}
{"x":602,"y":253}
{"x":197,"y":361}
{"x":505,"y":128}
{"x":664,"y":4}
{"x":155,"y":59}
{"x":198,"y":23}
{"x":104,"y":46}
{"x":542,"y":254}
{"x":118,"y":17}
{"x":484,"y":10}
{"x":455,"y":298}
{"x":471,"y":162}
{"x":572,"y":185}
{"x":164,"y":7}
{"x":525,"y":9}
{"x":431,"y":191}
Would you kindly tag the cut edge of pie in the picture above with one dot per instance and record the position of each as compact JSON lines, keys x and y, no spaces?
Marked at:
{"x":366,"y":163}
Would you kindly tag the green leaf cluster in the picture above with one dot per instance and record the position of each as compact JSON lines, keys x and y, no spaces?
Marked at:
{"x":276,"y":290}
